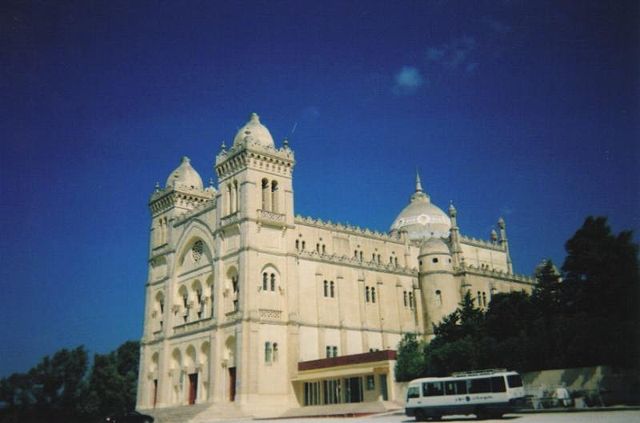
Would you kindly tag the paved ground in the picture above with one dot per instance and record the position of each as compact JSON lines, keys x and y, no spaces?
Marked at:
{"x":617,"y":416}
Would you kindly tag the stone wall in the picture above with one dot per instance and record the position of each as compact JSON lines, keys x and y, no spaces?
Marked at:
{"x":601,"y":385}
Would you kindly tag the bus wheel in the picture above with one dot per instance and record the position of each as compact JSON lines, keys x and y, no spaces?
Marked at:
{"x":420,"y":417}
{"x":481,"y":413}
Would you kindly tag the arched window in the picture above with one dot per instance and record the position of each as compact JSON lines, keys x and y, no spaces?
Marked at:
{"x":304,"y":245}
{"x":200,"y":303}
{"x":324,"y":249}
{"x":366,"y":294}
{"x":297,"y":244}
{"x":484,"y":299}
{"x":438,"y":297}
{"x":266,"y":195}
{"x":273,"y":282}
{"x":396,"y":261}
{"x":185,"y":306}
{"x":236,"y":196}
{"x":236,"y":292}
{"x":275,"y":351}
{"x":361,"y":258}
{"x":267,"y":352}
{"x":232,"y":199}
{"x":274,"y":196}
{"x":373,"y":295}
{"x":405,"y":298}
{"x":265,"y":276}
{"x":332,"y":290}
{"x":326,"y":288}
{"x":411,"y":300}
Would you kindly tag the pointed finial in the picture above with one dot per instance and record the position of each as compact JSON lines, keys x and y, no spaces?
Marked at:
{"x":285,"y":143}
{"x":494,"y":235}
{"x":157,"y":187}
{"x":223,"y":146}
{"x":211,"y":182}
{"x":185,"y":159}
{"x":254,"y":117}
{"x":501,"y":223}
{"x":452,"y":209}
{"x":418,"y":182}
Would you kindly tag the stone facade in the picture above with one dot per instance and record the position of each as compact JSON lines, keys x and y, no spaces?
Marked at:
{"x":243,"y":294}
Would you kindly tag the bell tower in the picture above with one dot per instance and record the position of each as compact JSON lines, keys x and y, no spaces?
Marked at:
{"x":255,"y":177}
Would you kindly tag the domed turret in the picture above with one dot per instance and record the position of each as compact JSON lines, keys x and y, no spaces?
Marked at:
{"x":253,"y":132}
{"x":434,"y":246}
{"x":421,"y":219}
{"x":185,"y":176}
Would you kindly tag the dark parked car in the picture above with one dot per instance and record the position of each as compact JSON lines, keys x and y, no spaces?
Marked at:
{"x":129,"y":417}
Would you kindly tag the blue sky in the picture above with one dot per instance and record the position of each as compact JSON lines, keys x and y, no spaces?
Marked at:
{"x":527,"y":110}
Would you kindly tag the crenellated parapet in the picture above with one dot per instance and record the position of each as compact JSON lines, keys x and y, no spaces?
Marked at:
{"x":355,"y":262}
{"x":348,"y":229}
{"x":498,"y":274}
{"x":481,"y":243}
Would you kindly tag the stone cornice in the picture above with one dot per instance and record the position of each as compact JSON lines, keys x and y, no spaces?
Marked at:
{"x":254,"y":155}
{"x":163,"y":199}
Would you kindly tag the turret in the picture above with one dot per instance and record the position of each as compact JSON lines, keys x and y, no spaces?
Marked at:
{"x":456,"y":249}
{"x":182,"y":193}
{"x":440,"y":290}
{"x":504,"y":242}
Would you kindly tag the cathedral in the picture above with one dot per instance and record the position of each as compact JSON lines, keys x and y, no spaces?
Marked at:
{"x":252,"y":310}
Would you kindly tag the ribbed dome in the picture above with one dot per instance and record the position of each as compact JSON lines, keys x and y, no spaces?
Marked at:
{"x":185,"y":176}
{"x":421,"y":219}
{"x":254,"y":132}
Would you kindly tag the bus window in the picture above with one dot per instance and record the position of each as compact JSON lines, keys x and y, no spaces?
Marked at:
{"x":413,"y":392}
{"x":461,"y":387}
{"x":480,"y":385}
{"x":450,"y":388}
{"x":432,"y":389}
{"x":497,"y":384}
{"x":514,"y":381}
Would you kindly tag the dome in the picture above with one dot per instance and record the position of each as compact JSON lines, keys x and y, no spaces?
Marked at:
{"x":421,"y":219}
{"x":185,"y":176}
{"x":434,"y":246}
{"x":254,"y":132}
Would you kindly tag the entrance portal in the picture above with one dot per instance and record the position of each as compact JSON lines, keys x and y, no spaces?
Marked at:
{"x":193,"y":388}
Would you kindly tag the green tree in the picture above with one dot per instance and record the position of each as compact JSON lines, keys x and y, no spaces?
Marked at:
{"x":410,"y":360}
{"x":113,"y":382}
{"x":599,"y":296}
{"x":460,"y":341}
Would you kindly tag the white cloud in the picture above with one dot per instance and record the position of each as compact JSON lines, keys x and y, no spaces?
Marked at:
{"x":408,"y":80}
{"x":453,"y":54}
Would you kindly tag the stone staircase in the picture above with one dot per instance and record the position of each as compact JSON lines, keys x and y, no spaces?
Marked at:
{"x":221,"y":411}
{"x":181,"y":414}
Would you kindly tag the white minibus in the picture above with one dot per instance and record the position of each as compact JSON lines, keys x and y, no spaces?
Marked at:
{"x":485,"y":393}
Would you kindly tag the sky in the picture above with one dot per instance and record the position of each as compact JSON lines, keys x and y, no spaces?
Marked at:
{"x":526,"y":110}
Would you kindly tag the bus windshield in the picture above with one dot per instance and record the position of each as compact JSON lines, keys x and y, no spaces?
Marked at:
{"x":514,"y":381}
